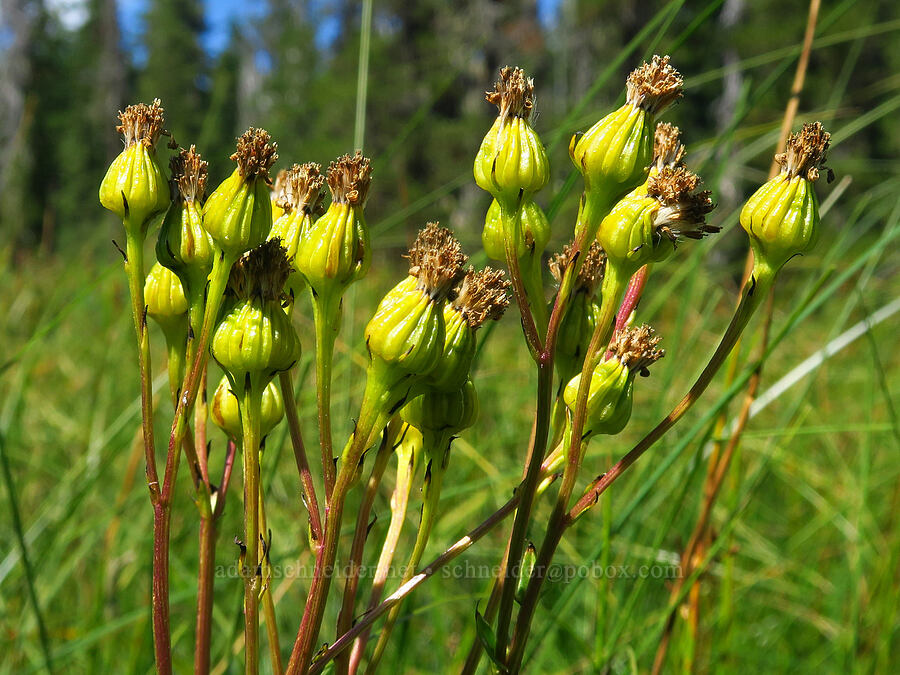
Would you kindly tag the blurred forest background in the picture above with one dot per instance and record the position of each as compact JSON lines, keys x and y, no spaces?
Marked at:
{"x":291,"y":67}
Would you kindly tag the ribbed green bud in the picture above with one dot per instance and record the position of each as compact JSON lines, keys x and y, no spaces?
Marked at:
{"x":531,"y":235}
{"x":782,"y":217}
{"x":405,"y":338}
{"x":238,"y":215}
{"x":135,"y":186}
{"x":164,"y":297}
{"x":443,"y":412}
{"x":578,"y":323}
{"x":336,"y":251}
{"x":183,"y":245}
{"x":511,"y":163}
{"x":481,"y":296}
{"x":611,"y":393}
{"x":226,"y":412}
{"x":407,"y":329}
{"x":613,"y":155}
{"x":255,"y":339}
{"x":300,"y":196}
{"x":644,"y":229}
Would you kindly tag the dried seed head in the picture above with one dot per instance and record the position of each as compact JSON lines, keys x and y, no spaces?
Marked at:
{"x":668,"y":149}
{"x":189,"y":173}
{"x":592,"y":268}
{"x":436,"y":260}
{"x":255,"y":154}
{"x":513,"y":93}
{"x":142,"y":123}
{"x":683,"y":211}
{"x":300,"y":188}
{"x":654,"y":86}
{"x":636,"y":348}
{"x":482,"y":296}
{"x":261,"y":272}
{"x":349,"y":178}
{"x":805,"y":153}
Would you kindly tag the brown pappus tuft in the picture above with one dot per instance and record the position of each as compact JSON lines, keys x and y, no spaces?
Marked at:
{"x":668,"y":150}
{"x":189,"y":174}
{"x":682,"y":212}
{"x":300,"y":188}
{"x":805,"y":153}
{"x":592,"y":269}
{"x":636,"y":348}
{"x":255,"y":154}
{"x":482,"y":296}
{"x":654,"y":85}
{"x":142,"y":123}
{"x":513,"y":93}
{"x":349,"y":179}
{"x":261,"y":272}
{"x":436,"y":260}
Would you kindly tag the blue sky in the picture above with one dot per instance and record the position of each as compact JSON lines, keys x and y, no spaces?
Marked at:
{"x":218,"y":15}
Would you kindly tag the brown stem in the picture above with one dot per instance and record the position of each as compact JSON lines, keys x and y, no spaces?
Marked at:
{"x":306,"y":479}
{"x":205,"y":588}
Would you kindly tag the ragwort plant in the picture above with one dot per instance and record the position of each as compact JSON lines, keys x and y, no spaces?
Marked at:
{"x":232,"y":267}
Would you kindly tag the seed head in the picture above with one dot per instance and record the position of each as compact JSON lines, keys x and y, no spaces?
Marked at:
{"x":189,"y":174}
{"x":654,"y":85}
{"x":349,"y":178}
{"x":683,"y":211}
{"x":668,"y":149}
{"x":255,"y":154}
{"x":482,"y":296}
{"x":592,"y":269}
{"x":142,"y":123}
{"x":436,"y":260}
{"x":300,"y":188}
{"x":513,"y":93}
{"x":261,"y":273}
{"x":636,"y":348}
{"x":805,"y":153}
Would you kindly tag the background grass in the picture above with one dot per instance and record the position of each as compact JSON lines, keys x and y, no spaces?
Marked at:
{"x":808,"y":545}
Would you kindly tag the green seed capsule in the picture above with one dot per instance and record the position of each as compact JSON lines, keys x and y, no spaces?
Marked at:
{"x":238,"y":215}
{"x":643,"y":229}
{"x":613,"y":155}
{"x":183,"y":245}
{"x":164,"y":297}
{"x":531,"y":236}
{"x":405,"y":338}
{"x":578,"y":323}
{"x":226,"y":413}
{"x":611,"y":394}
{"x":255,"y":339}
{"x":512,"y":163}
{"x":444,"y":412}
{"x":300,"y":196}
{"x":336,"y":251}
{"x":135,"y":187}
{"x":782,"y":217}
{"x":481,"y":296}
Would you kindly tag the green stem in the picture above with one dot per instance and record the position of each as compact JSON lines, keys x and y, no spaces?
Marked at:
{"x":251,"y":414}
{"x":266,"y":591}
{"x":348,"y":602}
{"x":438,"y":447}
{"x":754,"y":292}
{"x":406,"y":469}
{"x":327,"y":319}
{"x":370,"y":422}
